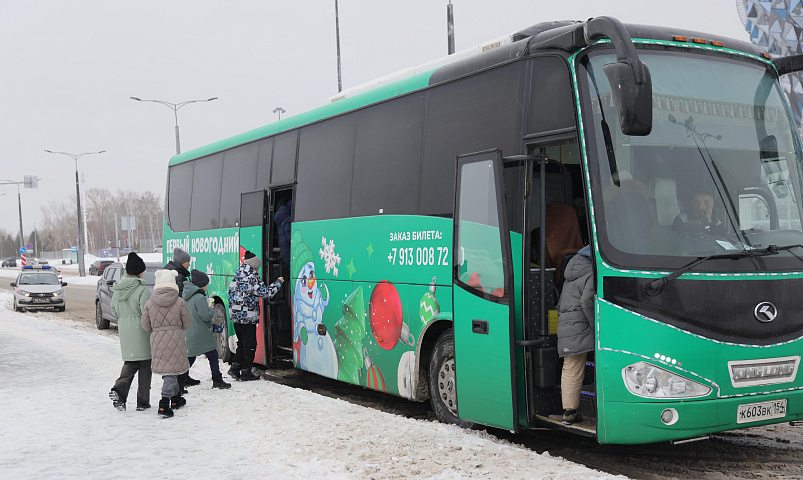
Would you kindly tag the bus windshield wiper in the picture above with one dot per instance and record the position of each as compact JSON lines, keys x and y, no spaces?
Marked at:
{"x":654,"y":287}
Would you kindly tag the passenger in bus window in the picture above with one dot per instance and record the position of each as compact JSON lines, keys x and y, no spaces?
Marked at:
{"x":575,"y":330}
{"x":699,"y":217}
{"x":245,"y":291}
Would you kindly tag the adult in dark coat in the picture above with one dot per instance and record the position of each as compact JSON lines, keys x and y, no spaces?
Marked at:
{"x":282,"y":217}
{"x":180,"y":263}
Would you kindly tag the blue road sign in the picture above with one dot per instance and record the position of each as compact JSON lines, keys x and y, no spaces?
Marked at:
{"x":22,"y":250}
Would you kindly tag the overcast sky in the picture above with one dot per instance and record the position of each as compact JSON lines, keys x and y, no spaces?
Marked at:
{"x":69,"y":68}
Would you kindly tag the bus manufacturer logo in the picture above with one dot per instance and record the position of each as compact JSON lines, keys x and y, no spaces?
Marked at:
{"x":765,"y":312}
{"x":767,"y":371}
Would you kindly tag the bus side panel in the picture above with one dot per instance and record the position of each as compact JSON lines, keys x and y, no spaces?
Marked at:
{"x":625,"y":338}
{"x":216,"y":252}
{"x":363,"y":290}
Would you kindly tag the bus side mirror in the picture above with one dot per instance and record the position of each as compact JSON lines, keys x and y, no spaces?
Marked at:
{"x":633,"y":100}
{"x":789,"y":64}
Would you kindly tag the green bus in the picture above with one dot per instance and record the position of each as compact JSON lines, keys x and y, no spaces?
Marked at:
{"x":434,"y":211}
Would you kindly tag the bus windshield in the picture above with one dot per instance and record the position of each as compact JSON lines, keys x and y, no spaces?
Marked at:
{"x":719,"y":172}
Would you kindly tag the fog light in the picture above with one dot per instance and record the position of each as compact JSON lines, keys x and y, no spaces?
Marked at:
{"x":669,"y":416}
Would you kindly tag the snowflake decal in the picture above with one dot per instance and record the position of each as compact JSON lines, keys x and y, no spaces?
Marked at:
{"x":330,"y":258}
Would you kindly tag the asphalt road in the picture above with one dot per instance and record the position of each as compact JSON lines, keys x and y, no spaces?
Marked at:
{"x":80,"y":299}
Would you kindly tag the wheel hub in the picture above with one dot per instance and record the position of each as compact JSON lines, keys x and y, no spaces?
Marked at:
{"x":446,"y":386}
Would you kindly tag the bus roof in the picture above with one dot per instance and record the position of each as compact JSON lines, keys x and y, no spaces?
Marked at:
{"x":565,"y":36}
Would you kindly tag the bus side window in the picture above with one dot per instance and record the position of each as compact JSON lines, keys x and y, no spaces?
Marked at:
{"x":754,"y":213}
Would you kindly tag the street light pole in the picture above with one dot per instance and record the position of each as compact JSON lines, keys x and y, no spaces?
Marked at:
{"x":280,"y":111}
{"x":19,"y":201}
{"x":337,"y":34}
{"x":450,"y":27}
{"x":76,"y":156}
{"x":174,"y":107}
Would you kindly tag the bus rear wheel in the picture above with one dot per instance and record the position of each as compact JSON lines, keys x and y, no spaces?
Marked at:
{"x":442,"y":382}
{"x":222,"y":338}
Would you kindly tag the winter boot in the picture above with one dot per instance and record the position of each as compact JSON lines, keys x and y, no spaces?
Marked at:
{"x":217,"y":382}
{"x":143,"y":407}
{"x":164,"y":408}
{"x":181,"y":389}
{"x":118,"y":402}
{"x":190,"y":382}
{"x":246,"y":375}
{"x":177,"y":402}
{"x":571,"y":417}
{"x":234,"y":371}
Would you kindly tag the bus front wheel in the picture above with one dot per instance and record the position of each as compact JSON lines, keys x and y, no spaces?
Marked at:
{"x":442,"y":386}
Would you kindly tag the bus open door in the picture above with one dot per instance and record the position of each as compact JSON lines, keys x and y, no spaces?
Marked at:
{"x":483,"y":318}
{"x":253,"y":236}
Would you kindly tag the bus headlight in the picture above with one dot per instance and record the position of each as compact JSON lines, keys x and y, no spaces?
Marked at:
{"x":647,"y":380}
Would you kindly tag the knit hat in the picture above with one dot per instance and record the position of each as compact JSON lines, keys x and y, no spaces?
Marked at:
{"x":199,"y":278}
{"x":180,"y":256}
{"x":252,"y":260}
{"x":166,"y":279}
{"x":301,"y":255}
{"x":134,"y":265}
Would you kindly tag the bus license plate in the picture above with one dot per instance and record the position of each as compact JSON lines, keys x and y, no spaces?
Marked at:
{"x":41,"y":300}
{"x":755,"y":412}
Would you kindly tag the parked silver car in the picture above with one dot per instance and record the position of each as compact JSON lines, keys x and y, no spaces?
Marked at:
{"x":39,"y":287}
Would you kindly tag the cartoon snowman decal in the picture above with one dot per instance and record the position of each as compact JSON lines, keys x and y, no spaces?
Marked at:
{"x":313,"y":349}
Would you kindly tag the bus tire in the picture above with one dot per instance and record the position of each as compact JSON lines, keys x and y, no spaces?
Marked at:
{"x":222,"y":338}
{"x":442,"y":391}
{"x":100,"y":322}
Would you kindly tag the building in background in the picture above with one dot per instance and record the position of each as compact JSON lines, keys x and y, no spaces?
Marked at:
{"x":776,"y":26}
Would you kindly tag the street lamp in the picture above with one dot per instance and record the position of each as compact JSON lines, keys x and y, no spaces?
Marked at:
{"x":29,"y":182}
{"x":175,"y":107}
{"x":280,"y":111}
{"x":76,"y":156}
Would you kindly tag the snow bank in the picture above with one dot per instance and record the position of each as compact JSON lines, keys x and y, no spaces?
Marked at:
{"x":58,"y":422}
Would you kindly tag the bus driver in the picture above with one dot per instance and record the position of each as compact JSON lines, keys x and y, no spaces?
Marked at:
{"x":699,"y":217}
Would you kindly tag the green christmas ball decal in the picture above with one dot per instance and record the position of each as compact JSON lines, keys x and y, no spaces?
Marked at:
{"x":349,"y":332}
{"x":429,"y":308}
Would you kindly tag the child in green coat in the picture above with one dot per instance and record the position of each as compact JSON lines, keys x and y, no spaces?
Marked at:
{"x":130,"y":296}
{"x":200,"y":339}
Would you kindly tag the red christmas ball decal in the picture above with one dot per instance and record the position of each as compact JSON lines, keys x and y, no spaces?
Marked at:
{"x":386,"y":314}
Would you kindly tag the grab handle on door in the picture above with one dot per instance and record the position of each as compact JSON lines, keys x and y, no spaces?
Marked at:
{"x":479,"y":326}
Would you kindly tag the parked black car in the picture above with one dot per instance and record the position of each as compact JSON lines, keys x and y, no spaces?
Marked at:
{"x":10,"y":262}
{"x":98,"y":266}
{"x":105,"y":290}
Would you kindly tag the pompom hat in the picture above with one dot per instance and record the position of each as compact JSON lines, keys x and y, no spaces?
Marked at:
{"x":166,"y":279}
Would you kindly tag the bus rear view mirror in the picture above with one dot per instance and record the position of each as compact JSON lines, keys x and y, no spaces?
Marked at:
{"x":633,"y":100}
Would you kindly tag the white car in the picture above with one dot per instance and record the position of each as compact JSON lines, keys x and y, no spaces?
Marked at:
{"x":38,"y":287}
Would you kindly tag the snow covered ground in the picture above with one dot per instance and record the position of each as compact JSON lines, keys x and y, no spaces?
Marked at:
{"x":58,"y":422}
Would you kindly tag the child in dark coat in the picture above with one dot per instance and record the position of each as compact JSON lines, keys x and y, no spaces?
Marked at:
{"x":200,"y":339}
